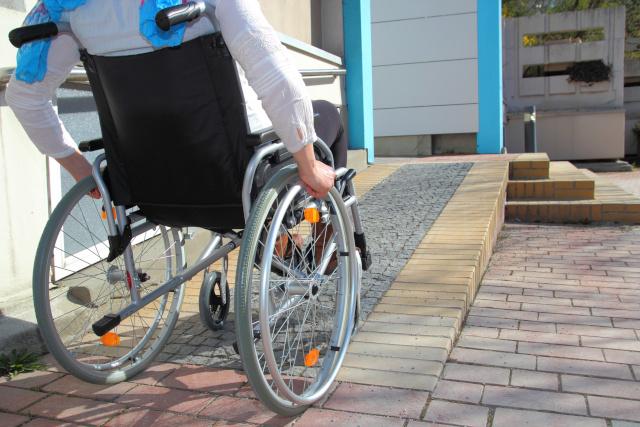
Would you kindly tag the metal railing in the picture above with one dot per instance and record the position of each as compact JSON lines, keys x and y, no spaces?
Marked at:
{"x":78,"y":75}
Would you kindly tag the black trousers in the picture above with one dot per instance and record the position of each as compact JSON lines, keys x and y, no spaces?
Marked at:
{"x":329,"y":128}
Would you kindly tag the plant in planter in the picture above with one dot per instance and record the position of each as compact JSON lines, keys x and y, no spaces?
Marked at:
{"x":589,"y":72}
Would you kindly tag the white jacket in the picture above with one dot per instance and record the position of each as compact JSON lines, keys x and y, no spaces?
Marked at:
{"x":111,"y":28}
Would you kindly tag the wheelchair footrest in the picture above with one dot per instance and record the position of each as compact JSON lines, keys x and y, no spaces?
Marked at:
{"x":106,"y":324}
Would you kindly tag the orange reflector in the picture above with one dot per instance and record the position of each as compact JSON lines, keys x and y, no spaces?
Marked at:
{"x":110,"y":339}
{"x":312,"y":215}
{"x":311,"y":358}
{"x":103,"y":214}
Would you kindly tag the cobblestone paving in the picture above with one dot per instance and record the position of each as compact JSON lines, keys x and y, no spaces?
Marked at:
{"x":396,"y":213}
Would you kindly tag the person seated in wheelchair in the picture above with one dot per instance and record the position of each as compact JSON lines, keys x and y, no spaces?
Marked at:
{"x":116,"y":28}
{"x":177,"y":144}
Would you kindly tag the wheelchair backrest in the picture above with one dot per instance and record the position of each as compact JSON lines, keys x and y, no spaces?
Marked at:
{"x":175,"y":132}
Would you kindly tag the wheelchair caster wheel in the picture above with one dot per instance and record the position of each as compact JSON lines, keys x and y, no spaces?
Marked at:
{"x":213,"y":310}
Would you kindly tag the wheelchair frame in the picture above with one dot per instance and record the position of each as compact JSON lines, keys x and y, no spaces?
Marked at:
{"x":212,"y":251}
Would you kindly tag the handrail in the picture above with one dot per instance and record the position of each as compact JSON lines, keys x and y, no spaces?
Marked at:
{"x":78,"y":75}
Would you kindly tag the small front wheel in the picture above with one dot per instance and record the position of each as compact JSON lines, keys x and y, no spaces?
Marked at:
{"x":214,"y":301}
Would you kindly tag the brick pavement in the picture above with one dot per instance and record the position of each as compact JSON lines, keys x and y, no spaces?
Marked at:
{"x":551,"y":340}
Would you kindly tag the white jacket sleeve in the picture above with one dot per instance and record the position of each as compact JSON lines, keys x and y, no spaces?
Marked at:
{"x":271,"y":73}
{"x":31,"y":103}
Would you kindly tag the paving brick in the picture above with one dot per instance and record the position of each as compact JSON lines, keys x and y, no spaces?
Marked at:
{"x":140,"y":417}
{"x":539,"y":337}
{"x":163,"y":398}
{"x":614,"y":408}
{"x":571,"y":352}
{"x":476,"y":374}
{"x":459,"y":391}
{"x":595,"y":331}
{"x":487,"y":343}
{"x":35,"y":379}
{"x":387,"y":378}
{"x":491,"y":322}
{"x":479,"y":331}
{"x":583,"y":367}
{"x":323,"y":417}
{"x":403,"y":352}
{"x":242,"y":410}
{"x":375,"y":400}
{"x":601,"y":387}
{"x":619,"y":356}
{"x":411,"y":320}
{"x":616,"y":344}
{"x":203,"y":378}
{"x":15,"y":399}
{"x":506,"y":314}
{"x":155,"y":373}
{"x":403,"y":340}
{"x":534,"y":399}
{"x":394,"y":364}
{"x":73,"y":386}
{"x":83,"y":411}
{"x":493,"y":358}
{"x":398,"y":328}
{"x":12,"y":420}
{"x":537,"y":327}
{"x":43,"y":422}
{"x":514,"y":417}
{"x":575,"y":320}
{"x":457,"y":413}
{"x":533,"y":379}
{"x":624,"y":424}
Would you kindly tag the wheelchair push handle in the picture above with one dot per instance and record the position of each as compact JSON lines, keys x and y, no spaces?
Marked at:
{"x":174,"y":15}
{"x":29,"y":33}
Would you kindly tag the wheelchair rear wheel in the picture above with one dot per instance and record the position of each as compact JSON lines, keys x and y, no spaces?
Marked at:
{"x":295,"y":306}
{"x":74,"y":286}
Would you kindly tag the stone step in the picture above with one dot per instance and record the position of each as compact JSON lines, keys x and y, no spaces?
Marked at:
{"x":529,"y":166}
{"x":565,"y":182}
{"x":610,"y":204}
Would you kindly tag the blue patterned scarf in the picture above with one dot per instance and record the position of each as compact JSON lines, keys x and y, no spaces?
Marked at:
{"x":32,"y":57}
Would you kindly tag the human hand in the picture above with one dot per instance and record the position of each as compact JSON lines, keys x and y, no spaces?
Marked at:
{"x":79,"y":168}
{"x":316,"y":177}
{"x":319,"y":180}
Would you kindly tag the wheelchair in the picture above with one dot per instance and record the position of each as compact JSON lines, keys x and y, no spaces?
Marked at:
{"x":110,"y":271}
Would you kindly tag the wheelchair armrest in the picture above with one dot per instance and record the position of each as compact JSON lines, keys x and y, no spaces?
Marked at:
{"x":264,"y":136}
{"x":93,"y":145}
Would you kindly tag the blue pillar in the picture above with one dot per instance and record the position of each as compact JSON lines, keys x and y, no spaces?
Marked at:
{"x":490,"y":107}
{"x":357,"y":53}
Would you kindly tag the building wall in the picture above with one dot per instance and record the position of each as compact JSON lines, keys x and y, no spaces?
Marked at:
{"x":23,"y":183}
{"x":571,"y":108}
{"x":556,"y":92}
{"x":425,"y":67}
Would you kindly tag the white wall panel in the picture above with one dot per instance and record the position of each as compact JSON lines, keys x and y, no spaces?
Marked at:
{"x":425,"y":68}
{"x":433,"y":83}
{"x":426,"y":120}
{"x":430,"y":39}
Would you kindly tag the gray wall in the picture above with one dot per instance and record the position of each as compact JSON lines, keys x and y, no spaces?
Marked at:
{"x":576,"y":120}
{"x":425,"y":67}
{"x":551,"y":93}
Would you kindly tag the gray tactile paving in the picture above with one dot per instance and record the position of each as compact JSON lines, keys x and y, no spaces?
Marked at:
{"x":397,"y":213}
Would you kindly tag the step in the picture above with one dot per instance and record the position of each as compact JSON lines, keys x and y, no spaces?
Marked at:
{"x":611,"y":204}
{"x":565,"y":182}
{"x":529,"y":166}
